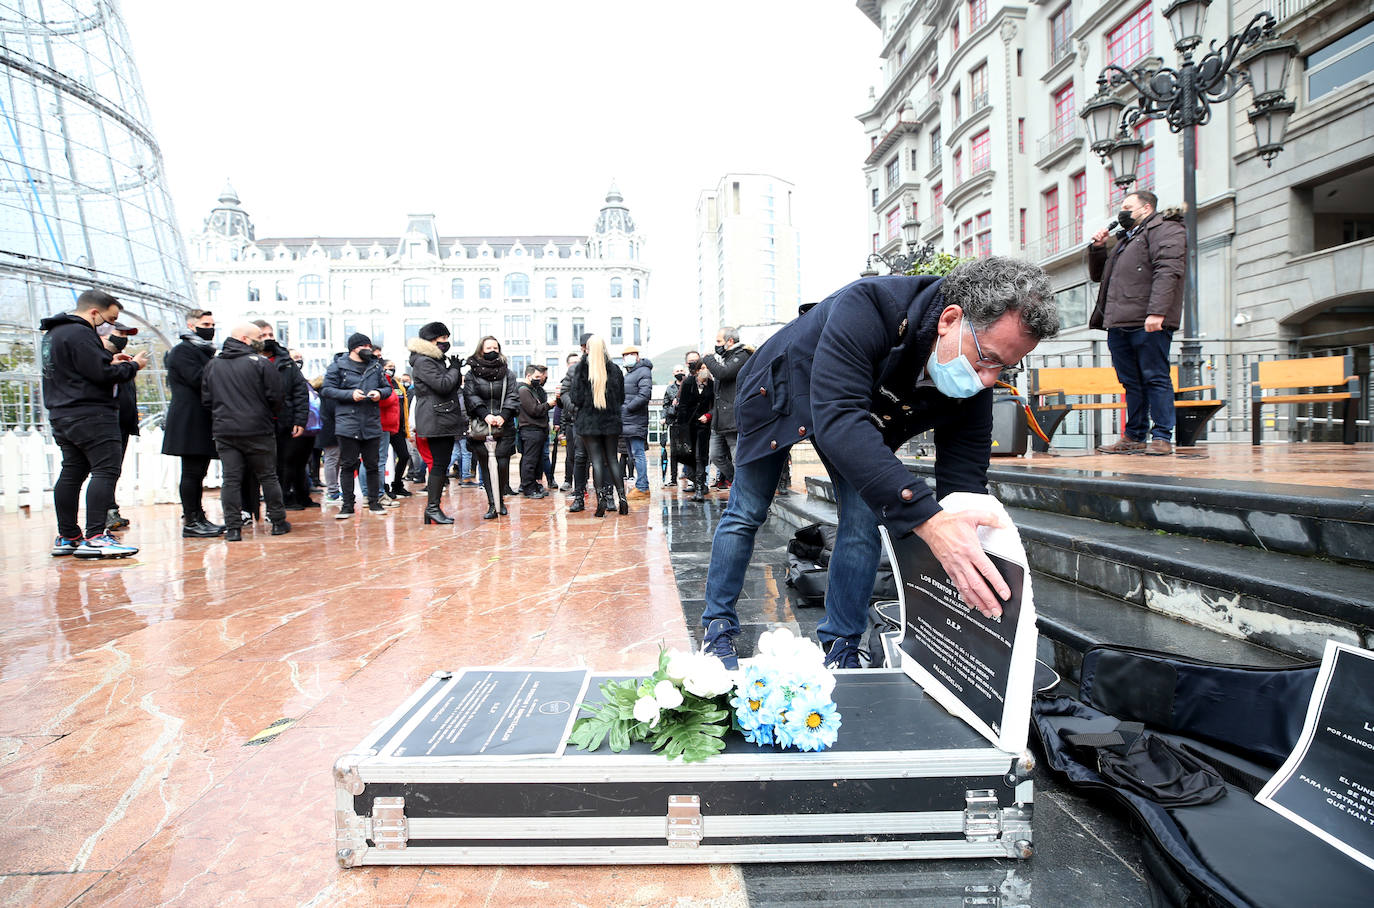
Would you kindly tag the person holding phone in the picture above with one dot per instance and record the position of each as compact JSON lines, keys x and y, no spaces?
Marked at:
{"x":356,"y":385}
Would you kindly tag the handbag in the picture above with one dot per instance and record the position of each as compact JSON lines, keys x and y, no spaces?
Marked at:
{"x":479,"y":429}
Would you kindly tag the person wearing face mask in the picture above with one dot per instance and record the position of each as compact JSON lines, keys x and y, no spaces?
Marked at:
{"x":534,"y":429}
{"x":440,"y":416}
{"x":395,"y":413}
{"x":695,"y":401}
{"x":293,"y":447}
{"x":598,"y":390}
{"x":186,"y":429}
{"x":724,"y":364}
{"x":357,"y":387}
{"x":858,"y":374}
{"x":668,"y":410}
{"x":1140,"y":303}
{"x":639,"y":390}
{"x":115,"y":336}
{"x":490,"y":395}
{"x":80,"y":377}
{"x":243,"y":391}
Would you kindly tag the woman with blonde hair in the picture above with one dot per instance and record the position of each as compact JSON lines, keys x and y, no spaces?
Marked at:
{"x":597,"y":390}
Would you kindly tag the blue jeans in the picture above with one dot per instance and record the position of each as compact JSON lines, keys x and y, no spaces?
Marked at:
{"x":853,"y":565}
{"x":638,"y":450}
{"x":1141,"y":360}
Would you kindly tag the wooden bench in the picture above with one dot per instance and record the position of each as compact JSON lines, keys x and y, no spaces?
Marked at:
{"x":1310,"y":372}
{"x":1049,"y":389}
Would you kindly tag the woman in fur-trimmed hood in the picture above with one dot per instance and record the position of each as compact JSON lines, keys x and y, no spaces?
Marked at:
{"x":438,"y":410}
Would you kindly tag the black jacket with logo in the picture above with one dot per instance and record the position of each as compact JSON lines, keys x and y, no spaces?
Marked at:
{"x":79,"y":374}
{"x":243,"y":392}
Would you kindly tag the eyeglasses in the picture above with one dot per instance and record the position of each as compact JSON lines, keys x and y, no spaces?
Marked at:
{"x":983,"y":362}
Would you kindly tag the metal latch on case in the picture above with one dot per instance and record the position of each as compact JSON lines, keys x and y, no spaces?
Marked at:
{"x":982,"y":816}
{"x":390,"y":829}
{"x":684,"y":821}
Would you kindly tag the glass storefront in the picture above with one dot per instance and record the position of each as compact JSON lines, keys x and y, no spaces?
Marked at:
{"x":83,"y":195}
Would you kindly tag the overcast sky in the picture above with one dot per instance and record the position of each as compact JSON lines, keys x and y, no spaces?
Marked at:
{"x":340,"y":117}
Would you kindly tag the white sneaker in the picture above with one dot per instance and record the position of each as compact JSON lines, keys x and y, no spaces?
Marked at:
{"x":344,"y":514}
{"x":390,"y":503}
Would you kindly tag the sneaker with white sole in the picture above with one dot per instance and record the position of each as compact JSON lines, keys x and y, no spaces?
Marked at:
{"x":104,"y":546}
{"x":844,"y":653}
{"x":344,"y":513}
{"x":64,"y":546}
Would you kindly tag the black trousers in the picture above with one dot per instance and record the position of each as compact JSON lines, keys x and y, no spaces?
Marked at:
{"x":291,"y":469}
{"x":601,"y":453}
{"x":401,"y":452}
{"x":674,"y":465}
{"x":578,"y":461}
{"x":90,"y":447}
{"x":350,"y":449}
{"x":532,"y":441}
{"x":192,"y":485}
{"x":441,"y":451}
{"x":238,"y":455}
{"x":570,"y":456}
{"x":700,"y":435}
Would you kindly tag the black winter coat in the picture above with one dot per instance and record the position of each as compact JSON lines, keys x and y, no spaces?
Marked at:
{"x":295,"y":405}
{"x":590,"y":419}
{"x":639,"y":390}
{"x":243,"y":392}
{"x":844,"y":375}
{"x":438,"y":390}
{"x":187,"y":426}
{"x":79,"y":375}
{"x":534,"y":406}
{"x":725,"y":371}
{"x":128,"y":407}
{"x":360,"y":419}
{"x":695,"y":401}
{"x":482,"y":397}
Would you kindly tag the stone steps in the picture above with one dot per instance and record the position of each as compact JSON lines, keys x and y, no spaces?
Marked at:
{"x":1332,"y":523}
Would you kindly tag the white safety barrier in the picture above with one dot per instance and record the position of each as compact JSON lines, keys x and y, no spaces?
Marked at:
{"x":30,"y":462}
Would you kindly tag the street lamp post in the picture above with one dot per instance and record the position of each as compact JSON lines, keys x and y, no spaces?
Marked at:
{"x":901,"y":263}
{"x":1183,"y":97}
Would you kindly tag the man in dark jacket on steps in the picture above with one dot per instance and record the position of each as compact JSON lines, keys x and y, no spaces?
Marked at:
{"x":241,"y":388}
{"x":79,"y":380}
{"x":534,"y":429}
{"x":858,"y":374}
{"x":295,"y":412}
{"x":356,"y":385}
{"x":724,"y":364}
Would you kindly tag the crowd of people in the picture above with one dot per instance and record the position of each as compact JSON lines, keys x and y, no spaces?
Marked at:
{"x":280,"y":436}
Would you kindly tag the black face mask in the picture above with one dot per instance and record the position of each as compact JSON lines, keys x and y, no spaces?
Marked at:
{"x":443,"y":346}
{"x":693,"y":367}
{"x":258,"y":346}
{"x":491,"y":356}
{"x":207,"y":334}
{"x":391,"y":373}
{"x":720,"y":349}
{"x":1125,"y":219}
{"x":679,"y":375}
{"x":119,"y":343}
{"x":365,"y":355}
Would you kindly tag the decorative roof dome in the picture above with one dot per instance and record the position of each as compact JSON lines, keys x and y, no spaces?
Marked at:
{"x":228,"y":218}
{"x":615,"y":216}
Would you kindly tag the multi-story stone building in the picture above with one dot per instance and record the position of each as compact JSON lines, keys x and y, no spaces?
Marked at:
{"x":976,"y":132}
{"x":536,"y":293}
{"x":748,"y":254}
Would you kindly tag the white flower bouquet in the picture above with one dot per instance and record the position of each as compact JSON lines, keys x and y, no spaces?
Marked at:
{"x":780,"y":697}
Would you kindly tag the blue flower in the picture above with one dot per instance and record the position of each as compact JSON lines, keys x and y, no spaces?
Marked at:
{"x":811,"y":722}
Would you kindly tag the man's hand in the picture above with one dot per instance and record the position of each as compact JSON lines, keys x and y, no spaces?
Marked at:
{"x":121,"y":358}
{"x":297,"y":431}
{"x":358,"y":394}
{"x":374,"y":395}
{"x":953,"y":537}
{"x":1100,"y":237}
{"x":704,"y":419}
{"x":1154,"y":323}
{"x":494,"y":420}
{"x":141,"y":358}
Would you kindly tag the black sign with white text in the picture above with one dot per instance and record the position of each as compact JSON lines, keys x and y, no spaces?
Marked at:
{"x":1327,"y":785}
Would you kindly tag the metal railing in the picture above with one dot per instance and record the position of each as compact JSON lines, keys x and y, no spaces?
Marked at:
{"x":1061,"y":50}
{"x":1060,"y":136}
{"x":1226,"y":366}
{"x":1052,"y":244}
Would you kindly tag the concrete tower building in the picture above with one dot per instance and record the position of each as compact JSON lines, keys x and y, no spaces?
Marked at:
{"x":748,"y":254}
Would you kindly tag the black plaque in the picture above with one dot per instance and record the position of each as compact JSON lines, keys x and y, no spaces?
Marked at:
{"x":495,"y":713}
{"x":1327,"y":784}
{"x":978,"y":668}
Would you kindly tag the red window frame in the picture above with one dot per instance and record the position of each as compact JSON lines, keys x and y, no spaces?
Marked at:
{"x":954,"y":34}
{"x":1051,"y":200}
{"x":967,"y":251}
{"x":958,"y":166}
{"x":977,"y":14}
{"x":1078,"y":183}
{"x":1132,"y":38}
{"x":1021,"y":134}
{"x":1064,"y":112}
{"x":983,"y":226}
{"x":1022,"y":225}
{"x":977,"y":81}
{"x":980,"y":148}
{"x":937,"y":201}
{"x":894,"y":223}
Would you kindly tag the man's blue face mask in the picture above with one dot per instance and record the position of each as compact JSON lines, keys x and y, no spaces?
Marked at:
{"x":956,"y":378}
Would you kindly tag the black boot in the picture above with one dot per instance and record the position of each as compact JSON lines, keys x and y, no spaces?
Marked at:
{"x":434,"y":515}
{"x":579,"y":503}
{"x":398,"y":490}
{"x":491,"y":507}
{"x":600,"y":502}
{"x":196,"y":526}
{"x":624,"y":507}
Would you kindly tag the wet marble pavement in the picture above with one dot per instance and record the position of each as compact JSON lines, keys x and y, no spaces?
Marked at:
{"x":130,"y":691}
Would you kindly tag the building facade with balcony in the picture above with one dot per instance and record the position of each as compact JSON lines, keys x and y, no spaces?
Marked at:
{"x":536,"y":293}
{"x":748,"y":254}
{"x":976,"y":133}
{"x":1305,"y":268}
